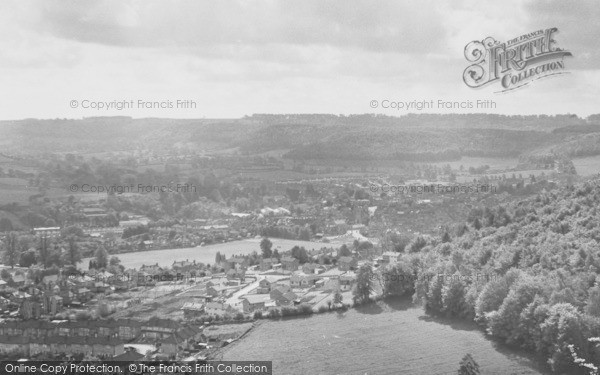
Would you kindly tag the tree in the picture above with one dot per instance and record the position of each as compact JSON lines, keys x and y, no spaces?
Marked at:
{"x":44,"y":252}
{"x":300,"y":254}
{"x":28,"y":258}
{"x":101,"y":257}
{"x":304,"y":234}
{"x":446,"y":237}
{"x":364,"y":284}
{"x":468,"y":366}
{"x":494,"y":292}
{"x":338,"y":298}
{"x":563,"y":327}
{"x":219,"y":258}
{"x":73,"y":254}
{"x":417,"y":244}
{"x":398,"y":280}
{"x":505,"y":323}
{"x":453,"y":297}
{"x":5,"y":275}
{"x":434,"y":303}
{"x":114,"y":261}
{"x":592,"y":306}
{"x":265,"y":246}
{"x":11,"y":251}
{"x":344,"y":251}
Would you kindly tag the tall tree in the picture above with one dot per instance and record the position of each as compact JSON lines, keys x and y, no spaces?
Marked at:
{"x":11,"y":252}
{"x":265,"y":246}
{"x":101,"y":256}
{"x":364,"y":284}
{"x":44,"y":252}
{"x":338,"y":298}
{"x":398,"y":280}
{"x":73,"y":251}
{"x":344,"y":251}
{"x":300,"y":254}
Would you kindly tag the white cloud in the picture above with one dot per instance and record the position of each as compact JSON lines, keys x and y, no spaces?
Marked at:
{"x":241,"y":57}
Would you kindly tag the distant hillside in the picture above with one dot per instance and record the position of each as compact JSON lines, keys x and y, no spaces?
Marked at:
{"x":423,"y":137}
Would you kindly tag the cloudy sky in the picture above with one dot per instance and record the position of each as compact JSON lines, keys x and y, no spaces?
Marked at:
{"x":235,"y":58}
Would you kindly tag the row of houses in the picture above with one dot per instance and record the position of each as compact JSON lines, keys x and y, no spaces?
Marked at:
{"x":123,"y":329}
{"x":345,"y":263}
{"x":97,"y":337}
{"x":30,"y":346}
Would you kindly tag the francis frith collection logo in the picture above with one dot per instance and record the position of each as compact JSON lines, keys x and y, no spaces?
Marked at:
{"x":514,"y":63}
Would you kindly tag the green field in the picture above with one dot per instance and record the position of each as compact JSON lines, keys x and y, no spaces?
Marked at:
{"x":379,"y":339}
{"x":588,"y":166}
{"x":206,"y":254}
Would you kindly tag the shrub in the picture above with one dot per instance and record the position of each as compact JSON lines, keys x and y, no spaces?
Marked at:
{"x":468,"y":366}
{"x":305,"y":310}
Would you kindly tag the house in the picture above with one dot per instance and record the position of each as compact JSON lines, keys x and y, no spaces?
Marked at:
{"x":267,"y":263}
{"x":101,"y":287}
{"x":309,"y":268}
{"x":158,"y":328}
{"x":237,"y":263}
{"x":254,"y":302}
{"x":215,"y":308}
{"x":105,"y":346}
{"x":169,"y":346}
{"x":50,"y":280}
{"x":151,"y":269}
{"x":347,"y":263}
{"x":283,"y":296}
{"x":128,"y":329}
{"x":19,"y":279}
{"x":390,"y":257}
{"x":289,"y":264}
{"x":14,"y":345}
{"x":184,"y":265}
{"x":47,"y":231}
{"x":83,"y":294}
{"x":235,"y":274}
{"x":347,"y":281}
{"x":216,"y":290}
{"x":203,"y":298}
{"x":192,"y":309}
{"x":264,"y":286}
{"x":303,"y":281}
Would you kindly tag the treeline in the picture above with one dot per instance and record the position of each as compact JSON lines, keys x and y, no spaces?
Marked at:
{"x":415,"y":145}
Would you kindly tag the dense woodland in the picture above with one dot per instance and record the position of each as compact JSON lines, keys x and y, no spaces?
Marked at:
{"x":528,"y":273}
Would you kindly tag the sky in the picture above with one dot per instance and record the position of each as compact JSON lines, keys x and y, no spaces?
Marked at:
{"x":227,"y":58}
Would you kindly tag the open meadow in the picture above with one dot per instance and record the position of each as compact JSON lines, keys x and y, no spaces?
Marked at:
{"x":395,"y":338}
{"x":206,"y":254}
